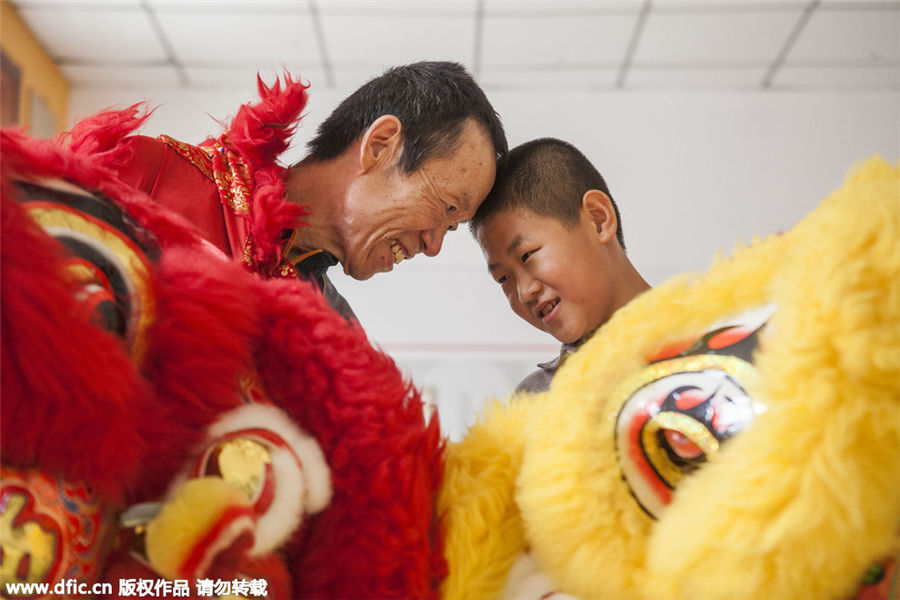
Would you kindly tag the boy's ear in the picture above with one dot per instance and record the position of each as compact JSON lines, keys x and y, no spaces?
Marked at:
{"x":600,"y":211}
{"x":381,"y":142}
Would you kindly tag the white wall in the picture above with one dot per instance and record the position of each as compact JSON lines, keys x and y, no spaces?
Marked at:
{"x":692,"y":173}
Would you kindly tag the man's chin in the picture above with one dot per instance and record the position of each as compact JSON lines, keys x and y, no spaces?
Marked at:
{"x":362,"y":274}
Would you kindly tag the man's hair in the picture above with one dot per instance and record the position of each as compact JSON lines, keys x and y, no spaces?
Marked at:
{"x":433,"y":100}
{"x":549,"y":177}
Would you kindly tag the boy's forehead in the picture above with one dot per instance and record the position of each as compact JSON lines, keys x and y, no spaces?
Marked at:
{"x":502,"y":228}
{"x":501,"y":234}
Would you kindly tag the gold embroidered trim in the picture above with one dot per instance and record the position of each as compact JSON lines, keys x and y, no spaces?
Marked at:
{"x":247,"y":251}
{"x":224,"y":166}
{"x":232,"y":177}
{"x":234,"y":183}
{"x":287,"y":265}
{"x":286,"y":269}
{"x":194,"y":155}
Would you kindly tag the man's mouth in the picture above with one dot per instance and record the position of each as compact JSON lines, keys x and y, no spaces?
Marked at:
{"x":545,"y":310}
{"x":398,"y":251}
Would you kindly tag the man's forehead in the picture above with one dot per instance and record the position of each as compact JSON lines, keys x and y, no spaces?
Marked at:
{"x":468,"y":191}
{"x":468,"y":205}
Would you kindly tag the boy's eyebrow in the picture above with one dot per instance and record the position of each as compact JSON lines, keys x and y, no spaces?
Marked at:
{"x":516,"y":241}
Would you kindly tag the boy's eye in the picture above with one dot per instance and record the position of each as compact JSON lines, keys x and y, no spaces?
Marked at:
{"x":527,"y":255}
{"x":502,"y":279}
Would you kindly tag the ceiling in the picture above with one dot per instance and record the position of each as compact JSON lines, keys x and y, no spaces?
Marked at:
{"x":600,"y":45}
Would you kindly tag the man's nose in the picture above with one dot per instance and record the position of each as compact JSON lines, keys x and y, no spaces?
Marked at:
{"x":432,"y":240}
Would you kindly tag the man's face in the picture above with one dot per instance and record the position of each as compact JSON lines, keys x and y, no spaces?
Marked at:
{"x":557,"y":278}
{"x":392,"y":216}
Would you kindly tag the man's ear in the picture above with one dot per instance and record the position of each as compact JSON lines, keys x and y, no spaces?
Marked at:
{"x":602,"y":215}
{"x":381,"y":142}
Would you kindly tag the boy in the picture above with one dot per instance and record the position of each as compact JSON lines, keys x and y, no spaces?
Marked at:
{"x":552,"y":238}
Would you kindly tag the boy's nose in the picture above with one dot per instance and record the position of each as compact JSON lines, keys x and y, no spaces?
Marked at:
{"x":527,"y":288}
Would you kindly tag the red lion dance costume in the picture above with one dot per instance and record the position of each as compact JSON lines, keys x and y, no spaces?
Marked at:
{"x":168,"y":416}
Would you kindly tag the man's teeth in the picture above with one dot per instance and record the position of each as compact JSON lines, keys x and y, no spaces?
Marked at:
{"x":549,"y":307}
{"x":397,"y":251}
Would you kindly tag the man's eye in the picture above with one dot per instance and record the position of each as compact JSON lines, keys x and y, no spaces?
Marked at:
{"x":452,"y":227}
{"x":502,"y":279}
{"x":451,"y":209}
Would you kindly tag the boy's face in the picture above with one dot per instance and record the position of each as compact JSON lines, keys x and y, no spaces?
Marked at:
{"x":558,"y":278}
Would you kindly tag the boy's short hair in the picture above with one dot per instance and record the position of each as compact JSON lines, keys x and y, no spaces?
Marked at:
{"x":548,"y":177}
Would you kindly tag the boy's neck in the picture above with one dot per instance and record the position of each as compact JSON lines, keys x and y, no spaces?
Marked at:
{"x":630,"y":285}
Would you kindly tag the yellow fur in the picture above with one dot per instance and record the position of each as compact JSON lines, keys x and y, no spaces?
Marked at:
{"x":827,"y":454}
{"x":476,"y":504}
{"x":796,"y":507}
{"x":185,"y":519}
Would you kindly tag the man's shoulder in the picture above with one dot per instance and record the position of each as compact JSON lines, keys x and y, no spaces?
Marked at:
{"x":337,"y":301}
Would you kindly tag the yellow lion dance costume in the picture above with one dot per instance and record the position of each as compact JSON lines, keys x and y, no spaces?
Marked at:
{"x":730,"y":436}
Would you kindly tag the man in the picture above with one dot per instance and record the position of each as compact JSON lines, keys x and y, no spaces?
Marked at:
{"x":401,"y":161}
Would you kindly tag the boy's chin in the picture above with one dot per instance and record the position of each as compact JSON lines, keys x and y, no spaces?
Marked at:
{"x":562,"y":333}
{"x":572,"y":338}
{"x":568,"y":337}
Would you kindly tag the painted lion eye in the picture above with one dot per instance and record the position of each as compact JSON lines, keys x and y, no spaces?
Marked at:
{"x":670,"y":426}
{"x":109,"y":256}
{"x":688,"y":399}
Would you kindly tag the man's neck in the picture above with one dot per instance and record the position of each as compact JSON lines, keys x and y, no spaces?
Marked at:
{"x":321,"y":187}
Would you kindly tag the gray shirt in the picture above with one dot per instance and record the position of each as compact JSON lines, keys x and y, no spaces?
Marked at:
{"x":539,"y":380}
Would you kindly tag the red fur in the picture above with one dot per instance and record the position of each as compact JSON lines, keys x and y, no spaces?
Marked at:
{"x":260,"y":132}
{"x":100,"y":134}
{"x":35,"y":158}
{"x":199,"y":347}
{"x":68,"y":388}
{"x":377,"y":538}
{"x":271,"y":215}
{"x":41,"y":319}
